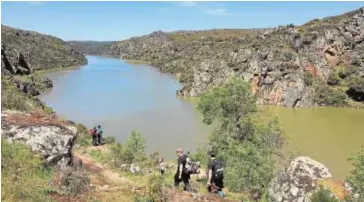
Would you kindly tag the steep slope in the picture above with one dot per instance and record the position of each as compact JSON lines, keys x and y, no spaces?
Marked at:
{"x":90,"y":47}
{"x":23,"y":51}
{"x":320,"y":62}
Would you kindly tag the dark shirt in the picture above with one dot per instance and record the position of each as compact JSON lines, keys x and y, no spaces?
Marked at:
{"x":181,"y":160}
{"x":211,"y":166}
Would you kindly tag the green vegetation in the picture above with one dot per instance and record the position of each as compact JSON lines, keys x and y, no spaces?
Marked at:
{"x":326,"y":95}
{"x":12,"y":98}
{"x":308,"y":78}
{"x":323,"y":195}
{"x":244,"y":142}
{"x":74,"y":181}
{"x":356,"y":178}
{"x":23,"y":177}
{"x":343,"y":83}
{"x":133,"y":151}
{"x":158,"y":190}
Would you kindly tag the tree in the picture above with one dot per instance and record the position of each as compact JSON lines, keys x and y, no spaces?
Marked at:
{"x":356,"y":178}
{"x":136,"y":145}
{"x":242,"y":140}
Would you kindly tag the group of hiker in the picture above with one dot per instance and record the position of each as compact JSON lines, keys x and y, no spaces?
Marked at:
{"x":96,"y":133}
{"x":186,"y":167}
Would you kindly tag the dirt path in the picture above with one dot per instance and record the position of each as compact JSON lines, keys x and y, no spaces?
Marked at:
{"x":107,"y":181}
{"x":105,"y":174}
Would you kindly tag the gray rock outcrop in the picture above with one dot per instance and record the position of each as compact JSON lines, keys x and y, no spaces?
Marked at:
{"x":297,"y":182}
{"x":275,"y":61}
{"x":50,"y":138}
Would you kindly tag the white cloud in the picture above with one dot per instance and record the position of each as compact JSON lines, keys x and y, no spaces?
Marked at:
{"x":35,"y":3}
{"x":207,"y":9}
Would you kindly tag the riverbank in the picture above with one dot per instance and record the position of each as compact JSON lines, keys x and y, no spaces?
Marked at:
{"x":113,"y":188}
{"x":156,"y":112}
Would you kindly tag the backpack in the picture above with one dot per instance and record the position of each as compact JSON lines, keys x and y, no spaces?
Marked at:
{"x":217,"y":170}
{"x":192,"y":167}
{"x":92,"y":132}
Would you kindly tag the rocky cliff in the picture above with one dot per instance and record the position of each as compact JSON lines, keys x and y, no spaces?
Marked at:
{"x":320,"y":62}
{"x":90,"y":47}
{"x":24,"y":51}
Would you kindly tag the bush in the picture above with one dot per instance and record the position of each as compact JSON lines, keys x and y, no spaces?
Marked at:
{"x":201,"y":155}
{"x":110,"y":140}
{"x":74,"y":182}
{"x":243,"y":142}
{"x":83,"y":135}
{"x":135,"y":146}
{"x":323,"y":195}
{"x":356,"y":178}
{"x":132,"y":152}
{"x":356,"y":88}
{"x":23,"y":176}
{"x":308,"y":78}
{"x":333,"y":79}
{"x":158,"y":189}
{"x":326,"y":95}
{"x":12,"y":98}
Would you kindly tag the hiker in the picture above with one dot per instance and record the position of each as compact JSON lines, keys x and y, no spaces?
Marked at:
{"x":162,"y":165}
{"x":93,"y":134}
{"x":181,"y":175}
{"x":215,"y":176}
{"x":99,"y":134}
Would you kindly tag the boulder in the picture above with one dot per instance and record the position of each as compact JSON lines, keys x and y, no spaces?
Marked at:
{"x":297,"y":182}
{"x":48,"y":137}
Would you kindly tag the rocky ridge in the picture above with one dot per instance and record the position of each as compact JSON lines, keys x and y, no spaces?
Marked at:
{"x":284,"y":65}
{"x":25,"y":51}
{"x":90,"y":47}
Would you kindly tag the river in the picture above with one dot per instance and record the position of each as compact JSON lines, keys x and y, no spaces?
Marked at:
{"x":123,"y":97}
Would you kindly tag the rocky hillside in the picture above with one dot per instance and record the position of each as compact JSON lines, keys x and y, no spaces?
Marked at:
{"x":320,"y":62}
{"x":24,"y":51}
{"x":90,"y":47}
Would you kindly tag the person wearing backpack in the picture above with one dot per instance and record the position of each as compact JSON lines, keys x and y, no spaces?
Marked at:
{"x":99,"y":134}
{"x":182,"y":175}
{"x":215,"y":174}
{"x":93,"y":134}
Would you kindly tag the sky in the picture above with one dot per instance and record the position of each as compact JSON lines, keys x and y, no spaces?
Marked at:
{"x":110,"y":21}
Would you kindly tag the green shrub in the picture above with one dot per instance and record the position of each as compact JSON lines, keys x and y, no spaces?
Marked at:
{"x":326,"y":95}
{"x":74,"y":182}
{"x":356,"y":177}
{"x":333,"y":79}
{"x":83,"y":135}
{"x":243,"y":142}
{"x":356,"y":88}
{"x":308,"y":78}
{"x":12,"y":98}
{"x":323,"y":195}
{"x":131,"y":152}
{"x":110,"y":140}
{"x":201,"y":155}
{"x":135,"y":146}
{"x":158,"y":189}
{"x":23,"y":178}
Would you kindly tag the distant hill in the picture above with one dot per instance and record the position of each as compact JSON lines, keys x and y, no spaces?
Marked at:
{"x":24,"y":50}
{"x":90,"y":47}
{"x":318,"y":63}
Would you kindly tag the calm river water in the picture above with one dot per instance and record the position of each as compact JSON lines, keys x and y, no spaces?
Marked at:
{"x":123,"y":97}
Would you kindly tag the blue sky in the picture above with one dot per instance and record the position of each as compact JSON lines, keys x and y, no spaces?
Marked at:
{"x":121,"y":20}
